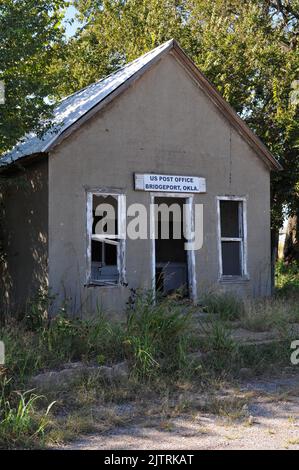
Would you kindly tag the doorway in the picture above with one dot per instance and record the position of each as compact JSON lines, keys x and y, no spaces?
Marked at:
{"x":173,"y":265}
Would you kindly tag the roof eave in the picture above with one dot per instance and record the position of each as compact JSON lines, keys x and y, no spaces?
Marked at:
{"x":22,"y":162}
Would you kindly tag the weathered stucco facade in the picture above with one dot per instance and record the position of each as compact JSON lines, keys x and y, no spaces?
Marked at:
{"x":24,"y":212}
{"x":165,"y":123}
{"x":162,"y":124}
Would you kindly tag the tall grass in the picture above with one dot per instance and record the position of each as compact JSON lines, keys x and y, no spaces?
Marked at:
{"x":155,"y":339}
{"x":61,"y":340}
{"x":270,"y":313}
{"x":20,"y":424}
{"x":281,"y":310}
{"x":219,"y":348}
{"x":71,"y":340}
{"x":226,"y":305}
{"x":156,"y":336}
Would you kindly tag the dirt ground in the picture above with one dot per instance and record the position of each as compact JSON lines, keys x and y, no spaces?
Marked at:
{"x":270,"y":421}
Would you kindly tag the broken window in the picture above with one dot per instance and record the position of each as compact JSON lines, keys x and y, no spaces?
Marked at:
{"x":232,"y":237}
{"x":106,"y":216}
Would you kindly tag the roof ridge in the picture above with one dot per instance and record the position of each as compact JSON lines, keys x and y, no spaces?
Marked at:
{"x":125,"y":65}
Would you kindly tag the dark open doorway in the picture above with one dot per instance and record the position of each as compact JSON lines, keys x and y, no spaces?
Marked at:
{"x":171,"y":263}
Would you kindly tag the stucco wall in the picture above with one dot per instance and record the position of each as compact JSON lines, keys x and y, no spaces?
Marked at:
{"x":163,"y":123}
{"x":24,"y":263}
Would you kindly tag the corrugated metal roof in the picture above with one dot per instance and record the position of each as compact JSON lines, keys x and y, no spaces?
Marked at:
{"x":72,"y":108}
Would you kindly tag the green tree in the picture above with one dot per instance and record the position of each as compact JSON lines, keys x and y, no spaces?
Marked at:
{"x":116,"y":32}
{"x":30,"y":33}
{"x":248,"y":49}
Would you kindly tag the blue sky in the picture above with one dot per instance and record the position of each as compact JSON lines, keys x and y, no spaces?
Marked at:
{"x":71,"y":28}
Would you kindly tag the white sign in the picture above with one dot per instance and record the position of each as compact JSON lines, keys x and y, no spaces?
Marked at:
{"x":170,"y":183}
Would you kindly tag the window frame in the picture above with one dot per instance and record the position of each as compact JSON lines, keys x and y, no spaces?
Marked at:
{"x":241,"y":239}
{"x":121,"y":236}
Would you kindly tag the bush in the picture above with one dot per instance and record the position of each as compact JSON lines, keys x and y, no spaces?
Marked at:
{"x":287,"y":278}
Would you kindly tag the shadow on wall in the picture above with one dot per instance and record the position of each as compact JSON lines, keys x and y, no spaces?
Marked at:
{"x":24,"y":236}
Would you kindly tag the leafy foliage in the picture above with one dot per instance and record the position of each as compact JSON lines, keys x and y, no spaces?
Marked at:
{"x":31,"y":32}
{"x":249,"y":50}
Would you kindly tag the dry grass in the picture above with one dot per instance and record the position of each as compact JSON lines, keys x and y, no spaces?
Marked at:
{"x":266,"y":314}
{"x":156,"y":341}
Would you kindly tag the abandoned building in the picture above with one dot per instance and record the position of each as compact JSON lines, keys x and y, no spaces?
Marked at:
{"x":154,"y":132}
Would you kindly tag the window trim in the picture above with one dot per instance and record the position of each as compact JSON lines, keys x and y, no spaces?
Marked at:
{"x":242,"y":240}
{"x":121,"y":249}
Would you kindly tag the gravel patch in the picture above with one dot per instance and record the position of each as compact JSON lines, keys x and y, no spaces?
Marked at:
{"x":273,"y":423}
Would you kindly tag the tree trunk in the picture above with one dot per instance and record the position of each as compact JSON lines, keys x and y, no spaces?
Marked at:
{"x":291,"y":244}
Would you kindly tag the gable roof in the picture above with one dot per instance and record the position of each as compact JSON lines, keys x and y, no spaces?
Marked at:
{"x":72,"y":111}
